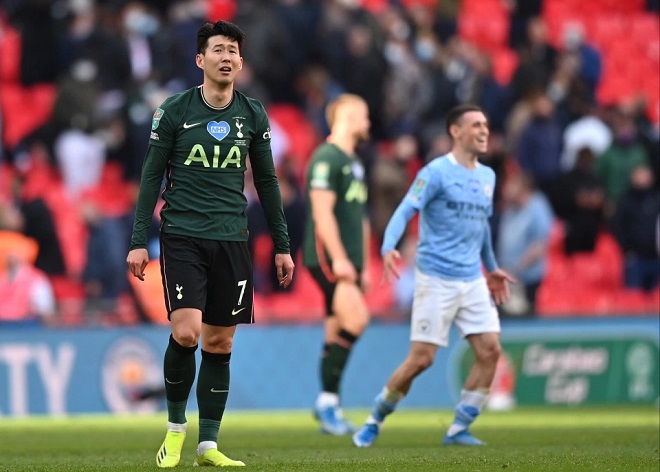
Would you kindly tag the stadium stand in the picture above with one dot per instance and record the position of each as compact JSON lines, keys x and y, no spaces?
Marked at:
{"x":584,"y":284}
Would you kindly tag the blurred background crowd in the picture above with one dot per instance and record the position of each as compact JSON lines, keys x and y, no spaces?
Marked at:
{"x":571,"y":88}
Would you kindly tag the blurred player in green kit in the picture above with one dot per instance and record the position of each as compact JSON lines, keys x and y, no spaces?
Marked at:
{"x":336,"y":247}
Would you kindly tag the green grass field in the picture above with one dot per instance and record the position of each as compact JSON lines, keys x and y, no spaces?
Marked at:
{"x":557,"y":439}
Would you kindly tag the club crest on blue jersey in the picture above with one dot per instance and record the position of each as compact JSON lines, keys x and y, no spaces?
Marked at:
{"x":474,"y":185}
{"x":218,"y":130}
{"x":488,"y":190}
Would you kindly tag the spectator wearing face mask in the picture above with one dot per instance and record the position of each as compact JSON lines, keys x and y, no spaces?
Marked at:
{"x":615,"y":166}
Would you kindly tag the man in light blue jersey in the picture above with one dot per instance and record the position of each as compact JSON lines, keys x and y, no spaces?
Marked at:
{"x":454,"y":195}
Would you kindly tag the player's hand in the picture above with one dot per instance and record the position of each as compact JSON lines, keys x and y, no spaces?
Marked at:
{"x":498,"y":284}
{"x":285,"y":267}
{"x":344,"y":270}
{"x":391,"y":266}
{"x":137,"y":261}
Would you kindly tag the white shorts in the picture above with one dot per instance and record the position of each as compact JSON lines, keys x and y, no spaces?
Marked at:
{"x":438,"y":303}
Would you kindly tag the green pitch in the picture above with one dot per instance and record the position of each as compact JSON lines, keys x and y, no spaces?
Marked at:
{"x":544,"y":439}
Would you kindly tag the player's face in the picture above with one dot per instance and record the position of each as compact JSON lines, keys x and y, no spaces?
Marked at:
{"x":473,"y":132}
{"x":361,"y":122}
{"x":221,"y":60}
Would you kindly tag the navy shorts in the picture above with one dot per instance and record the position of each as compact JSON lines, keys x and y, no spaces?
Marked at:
{"x":212,"y":276}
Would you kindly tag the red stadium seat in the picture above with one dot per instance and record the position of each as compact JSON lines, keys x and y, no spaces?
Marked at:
{"x":28,"y":108}
{"x":10,"y":52}
{"x":505,"y":62}
{"x":221,"y":9}
{"x":486,"y":32}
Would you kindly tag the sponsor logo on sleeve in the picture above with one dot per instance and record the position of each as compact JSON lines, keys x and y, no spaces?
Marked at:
{"x":158,"y":114}
{"x":417,"y":189}
{"x":320,"y":174}
{"x":154,"y":136}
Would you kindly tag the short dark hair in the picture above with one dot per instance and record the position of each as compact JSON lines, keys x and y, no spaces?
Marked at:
{"x":219,"y":28}
{"x":456,"y":113}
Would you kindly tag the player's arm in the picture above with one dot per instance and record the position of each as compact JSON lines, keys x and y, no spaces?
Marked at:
{"x":322,"y":202}
{"x":268,"y":189}
{"x":265,"y":180}
{"x":423,"y":187}
{"x":487,"y":253}
{"x":393,"y":234}
{"x":153,"y":169}
{"x":497,"y":279}
{"x":365,"y":277}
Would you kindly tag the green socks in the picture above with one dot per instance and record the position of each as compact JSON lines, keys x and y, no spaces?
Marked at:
{"x":179,"y":369}
{"x":212,"y":392}
{"x":334,"y":361}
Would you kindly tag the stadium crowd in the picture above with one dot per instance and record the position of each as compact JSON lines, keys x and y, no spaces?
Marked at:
{"x":576,"y":149}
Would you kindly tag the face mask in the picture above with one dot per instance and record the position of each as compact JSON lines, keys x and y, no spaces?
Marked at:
{"x":141,"y":23}
{"x":425,"y":50}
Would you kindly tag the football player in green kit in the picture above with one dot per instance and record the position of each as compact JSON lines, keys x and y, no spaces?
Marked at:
{"x":200,"y":140}
{"x":335,"y":248}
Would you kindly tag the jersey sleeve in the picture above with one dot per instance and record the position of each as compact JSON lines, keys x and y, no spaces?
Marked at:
{"x":260,"y":142}
{"x":163,"y":125}
{"x":324,"y":173}
{"x":423,"y":188}
{"x":265,"y":181}
{"x":490,"y":190}
{"x":153,"y":170}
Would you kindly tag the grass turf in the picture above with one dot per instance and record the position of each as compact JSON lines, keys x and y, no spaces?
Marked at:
{"x":558,"y":439}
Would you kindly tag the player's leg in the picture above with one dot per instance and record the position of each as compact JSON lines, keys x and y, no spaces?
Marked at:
{"x":474,"y":394}
{"x":341,"y":333}
{"x":434,"y":306}
{"x":420,"y":358}
{"x":479,"y":323}
{"x":212,"y":393}
{"x":183,"y":302}
{"x":179,"y":372}
{"x":351,"y":318}
{"x":229,"y":302}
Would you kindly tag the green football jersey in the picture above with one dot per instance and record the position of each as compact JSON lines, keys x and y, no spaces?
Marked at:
{"x":202,"y":150}
{"x":332,"y":169}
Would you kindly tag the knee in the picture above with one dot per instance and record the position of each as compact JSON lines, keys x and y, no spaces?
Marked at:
{"x":185,"y":336}
{"x":219,"y":344}
{"x":489,"y":354}
{"x":420,"y":362}
{"x":357,"y":324}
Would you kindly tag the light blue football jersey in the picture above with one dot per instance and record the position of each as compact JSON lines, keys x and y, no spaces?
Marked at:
{"x":454,"y":204}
